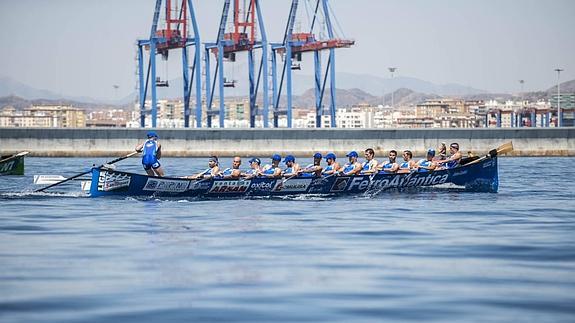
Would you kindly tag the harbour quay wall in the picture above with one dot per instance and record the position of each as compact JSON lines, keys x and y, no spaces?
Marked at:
{"x":97,"y":142}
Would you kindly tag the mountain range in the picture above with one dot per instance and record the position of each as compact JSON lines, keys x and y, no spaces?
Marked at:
{"x":351,"y":89}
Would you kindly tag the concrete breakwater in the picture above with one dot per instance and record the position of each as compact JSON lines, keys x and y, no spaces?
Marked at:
{"x":300,"y":142}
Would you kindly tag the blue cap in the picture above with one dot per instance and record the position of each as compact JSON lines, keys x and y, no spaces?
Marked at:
{"x":255,"y":160}
{"x":352,"y":154}
{"x":276,"y":157}
{"x":289,"y":158}
{"x":317,"y":155}
{"x":431,"y":152}
{"x":152,"y":134}
{"x":330,"y":156}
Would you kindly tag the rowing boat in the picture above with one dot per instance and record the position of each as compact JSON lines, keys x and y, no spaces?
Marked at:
{"x":12,"y":164}
{"x":480,"y":175}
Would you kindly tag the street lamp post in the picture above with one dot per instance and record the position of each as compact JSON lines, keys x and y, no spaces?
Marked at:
{"x":559,"y":121}
{"x":392,"y":70}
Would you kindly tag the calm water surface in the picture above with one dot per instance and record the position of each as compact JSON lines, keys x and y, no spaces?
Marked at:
{"x":435,"y":255}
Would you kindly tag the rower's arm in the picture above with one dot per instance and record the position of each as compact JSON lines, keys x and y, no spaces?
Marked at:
{"x":139,"y":147}
{"x":159,"y":152}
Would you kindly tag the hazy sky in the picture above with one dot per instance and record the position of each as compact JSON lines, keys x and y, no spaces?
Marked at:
{"x":83,"y":47}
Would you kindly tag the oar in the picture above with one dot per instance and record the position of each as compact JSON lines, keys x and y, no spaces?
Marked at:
{"x":51,"y":179}
{"x":503,"y":149}
{"x":84,"y":173}
{"x":24,"y":153}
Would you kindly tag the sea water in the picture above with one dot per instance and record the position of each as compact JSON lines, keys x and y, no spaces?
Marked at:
{"x":431,"y":255}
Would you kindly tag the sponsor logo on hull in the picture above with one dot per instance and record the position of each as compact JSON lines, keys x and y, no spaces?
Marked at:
{"x":364,"y":183}
{"x":165,"y":185}
{"x":339,"y":184}
{"x":267,"y":186}
{"x":234,"y":186}
{"x":292,"y":185}
{"x":7,"y":166}
{"x":109,"y":181}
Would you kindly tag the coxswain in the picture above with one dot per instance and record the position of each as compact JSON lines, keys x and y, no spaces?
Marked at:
{"x":332,"y":166}
{"x":369,"y":166}
{"x":353,"y":167}
{"x":391,"y":166}
{"x":408,"y":163}
{"x":273,"y":170}
{"x":292,"y":168}
{"x":212,"y":171}
{"x":234,"y":172}
{"x":314,"y":169}
{"x":454,"y":158}
{"x":255,"y":168}
{"x":427,"y":165}
{"x":151,"y":153}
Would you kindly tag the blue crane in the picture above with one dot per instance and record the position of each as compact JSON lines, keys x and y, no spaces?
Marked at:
{"x":243,"y":38}
{"x":292,"y":47}
{"x":174,"y":35}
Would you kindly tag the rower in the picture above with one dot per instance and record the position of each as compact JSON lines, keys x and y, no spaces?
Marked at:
{"x":391,"y":166}
{"x":369,"y":166}
{"x":312,"y":169}
{"x":211,"y":172}
{"x":408,"y":162}
{"x":234,"y":172}
{"x":353,"y":167}
{"x":332,"y":166}
{"x":292,"y":167}
{"x":254,"y":170}
{"x":427,"y":165}
{"x":273,"y":170}
{"x":454,"y":158}
{"x":152,"y":151}
{"x":442,"y":152}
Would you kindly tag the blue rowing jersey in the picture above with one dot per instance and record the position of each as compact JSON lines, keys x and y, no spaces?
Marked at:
{"x":149,"y":152}
{"x":348,"y":167}
{"x":388,"y":166}
{"x":404,"y":165}
{"x":227,"y":172}
{"x":327,"y":168}
{"x":269,"y":170}
{"x":426,"y":163}
{"x":206,"y":172}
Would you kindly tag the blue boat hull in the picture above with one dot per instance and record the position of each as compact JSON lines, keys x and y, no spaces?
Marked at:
{"x":481,"y":176}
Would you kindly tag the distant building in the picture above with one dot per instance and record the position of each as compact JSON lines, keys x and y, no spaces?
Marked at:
{"x":567,"y":101}
{"x":107,"y":118}
{"x":48,"y":116}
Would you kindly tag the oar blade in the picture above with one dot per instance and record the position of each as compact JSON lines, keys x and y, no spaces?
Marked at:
{"x":505,"y":148}
{"x":47,"y":179}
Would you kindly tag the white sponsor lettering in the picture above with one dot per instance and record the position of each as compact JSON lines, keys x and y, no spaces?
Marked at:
{"x":262,"y":186}
{"x":293,"y":185}
{"x":361,"y":184}
{"x":166,"y":185}
{"x":238,"y":186}
{"x":7,"y":166}
{"x":108,"y":181}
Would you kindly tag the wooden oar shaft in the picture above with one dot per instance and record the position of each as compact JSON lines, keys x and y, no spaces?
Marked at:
{"x":84,"y":173}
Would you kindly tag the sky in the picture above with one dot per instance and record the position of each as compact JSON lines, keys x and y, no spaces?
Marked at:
{"x":84,"y":47}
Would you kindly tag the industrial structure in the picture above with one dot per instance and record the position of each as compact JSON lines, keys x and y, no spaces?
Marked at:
{"x":291,"y":50}
{"x":173,"y":34}
{"x":243,"y":38}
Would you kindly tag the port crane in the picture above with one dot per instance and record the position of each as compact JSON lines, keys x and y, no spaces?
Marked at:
{"x":291,"y":49}
{"x":242,"y":38}
{"x":174,"y":34}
